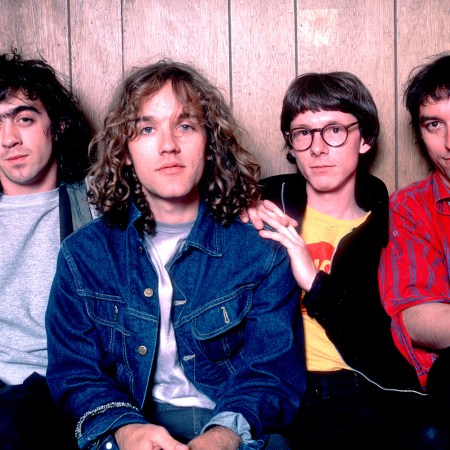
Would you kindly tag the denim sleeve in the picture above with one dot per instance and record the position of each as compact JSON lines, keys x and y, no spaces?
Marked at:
{"x":235,"y":422}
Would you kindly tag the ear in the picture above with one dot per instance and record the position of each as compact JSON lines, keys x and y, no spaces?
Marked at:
{"x":290,"y":157}
{"x":364,"y":147}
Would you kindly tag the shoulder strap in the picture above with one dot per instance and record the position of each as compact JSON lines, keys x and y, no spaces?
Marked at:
{"x":65,"y":214}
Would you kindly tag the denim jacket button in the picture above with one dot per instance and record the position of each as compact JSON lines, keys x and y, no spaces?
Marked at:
{"x":142,"y":350}
{"x":148,"y":292}
{"x":108,"y":446}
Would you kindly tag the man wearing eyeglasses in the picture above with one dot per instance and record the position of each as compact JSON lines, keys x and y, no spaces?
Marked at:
{"x":332,"y":216}
{"x":415,"y":266}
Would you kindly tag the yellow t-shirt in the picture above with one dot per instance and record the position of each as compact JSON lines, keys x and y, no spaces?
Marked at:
{"x":322,"y":234}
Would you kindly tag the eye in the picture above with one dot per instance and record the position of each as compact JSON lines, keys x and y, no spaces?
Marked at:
{"x":300,"y":132}
{"x":185,"y":127}
{"x":146,"y":130}
{"x":433,"y":126}
{"x":25,"y":120}
{"x":334,"y":129}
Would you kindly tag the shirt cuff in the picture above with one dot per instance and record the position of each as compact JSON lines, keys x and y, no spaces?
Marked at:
{"x":235,"y":422}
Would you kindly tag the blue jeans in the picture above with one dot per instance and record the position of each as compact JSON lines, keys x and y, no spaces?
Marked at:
{"x":29,"y":419}
{"x":184,"y":424}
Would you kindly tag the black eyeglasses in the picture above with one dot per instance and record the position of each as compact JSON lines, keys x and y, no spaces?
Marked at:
{"x":334,"y":135}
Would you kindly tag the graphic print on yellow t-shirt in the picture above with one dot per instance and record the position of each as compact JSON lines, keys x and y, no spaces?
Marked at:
{"x":322,"y":234}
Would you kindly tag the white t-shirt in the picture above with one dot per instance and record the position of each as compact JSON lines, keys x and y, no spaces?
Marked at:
{"x":170,"y":384}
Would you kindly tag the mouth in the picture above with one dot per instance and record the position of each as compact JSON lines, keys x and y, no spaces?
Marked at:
{"x":15,"y":158}
{"x":320,"y":167}
{"x":170,"y":168}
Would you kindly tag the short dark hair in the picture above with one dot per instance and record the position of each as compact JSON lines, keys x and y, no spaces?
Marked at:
{"x":332,"y":91}
{"x":429,"y":81}
{"x":229,"y":182}
{"x":71,"y":131}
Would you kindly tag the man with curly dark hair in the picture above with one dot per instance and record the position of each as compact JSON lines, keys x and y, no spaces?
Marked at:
{"x":44,"y":140}
{"x":414,"y":273}
{"x":171,"y":324}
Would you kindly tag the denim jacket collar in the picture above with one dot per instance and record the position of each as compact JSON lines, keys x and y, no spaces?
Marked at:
{"x":205,"y":234}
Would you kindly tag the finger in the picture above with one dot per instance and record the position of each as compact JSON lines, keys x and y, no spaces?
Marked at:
{"x":244,"y":216}
{"x":292,"y":231}
{"x":285,"y":219}
{"x":270,"y":208}
{"x":255,"y":218}
{"x":282,"y":238}
{"x":164,"y":441}
{"x":273,"y":220}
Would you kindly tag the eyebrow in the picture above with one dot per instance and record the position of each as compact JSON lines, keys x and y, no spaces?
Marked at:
{"x":17,"y":110}
{"x":182,"y":116}
{"x":332,"y":122}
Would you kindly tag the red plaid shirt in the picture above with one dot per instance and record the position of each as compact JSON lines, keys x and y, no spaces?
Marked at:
{"x":415,"y":266}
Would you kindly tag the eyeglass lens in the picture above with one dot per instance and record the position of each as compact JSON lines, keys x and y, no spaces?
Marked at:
{"x":333,"y":135}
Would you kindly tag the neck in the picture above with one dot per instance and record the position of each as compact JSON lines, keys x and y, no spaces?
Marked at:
{"x":444,"y":179}
{"x":340,"y":204}
{"x":173,"y":212}
{"x":46,"y":185}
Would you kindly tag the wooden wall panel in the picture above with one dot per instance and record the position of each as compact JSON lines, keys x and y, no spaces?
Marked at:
{"x":423,"y":31}
{"x":357,"y":37}
{"x":263,"y":64}
{"x":96,"y":50}
{"x":39,"y":28}
{"x":250,"y":49}
{"x":191,"y":32}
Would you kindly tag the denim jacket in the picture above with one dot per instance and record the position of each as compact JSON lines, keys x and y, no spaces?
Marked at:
{"x":235,"y":316}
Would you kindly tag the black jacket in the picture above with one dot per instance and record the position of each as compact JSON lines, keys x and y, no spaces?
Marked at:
{"x":347,"y":302}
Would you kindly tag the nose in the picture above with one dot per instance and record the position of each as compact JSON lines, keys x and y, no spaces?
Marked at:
{"x":9,"y":134}
{"x":447,"y":137}
{"x":168,"y":142}
{"x":318,"y":145}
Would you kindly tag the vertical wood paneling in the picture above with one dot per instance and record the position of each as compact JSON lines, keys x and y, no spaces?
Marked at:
{"x":423,"y":31}
{"x":190,"y":32}
{"x":247,"y":48}
{"x":39,"y":28}
{"x":96,"y":45}
{"x":357,"y":37}
{"x":263,"y":64}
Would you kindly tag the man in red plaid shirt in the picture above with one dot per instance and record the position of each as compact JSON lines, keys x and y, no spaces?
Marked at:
{"x":415,"y":267}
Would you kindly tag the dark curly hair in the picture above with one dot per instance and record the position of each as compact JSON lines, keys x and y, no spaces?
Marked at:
{"x":71,"y":131}
{"x":332,"y":91}
{"x":430,"y":81}
{"x":229,"y":182}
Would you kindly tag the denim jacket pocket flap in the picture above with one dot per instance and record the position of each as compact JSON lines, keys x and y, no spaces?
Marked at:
{"x":106,"y":310}
{"x":221,"y":315}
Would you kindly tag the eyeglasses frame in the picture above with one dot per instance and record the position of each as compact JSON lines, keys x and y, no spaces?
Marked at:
{"x":318,"y":130}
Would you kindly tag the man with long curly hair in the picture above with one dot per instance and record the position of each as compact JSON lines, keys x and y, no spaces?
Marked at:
{"x":44,"y":140}
{"x":171,"y":324}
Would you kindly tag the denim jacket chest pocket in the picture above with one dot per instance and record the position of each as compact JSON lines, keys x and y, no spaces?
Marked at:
{"x":106,"y":310}
{"x":219,"y":328}
{"x":128,"y":337}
